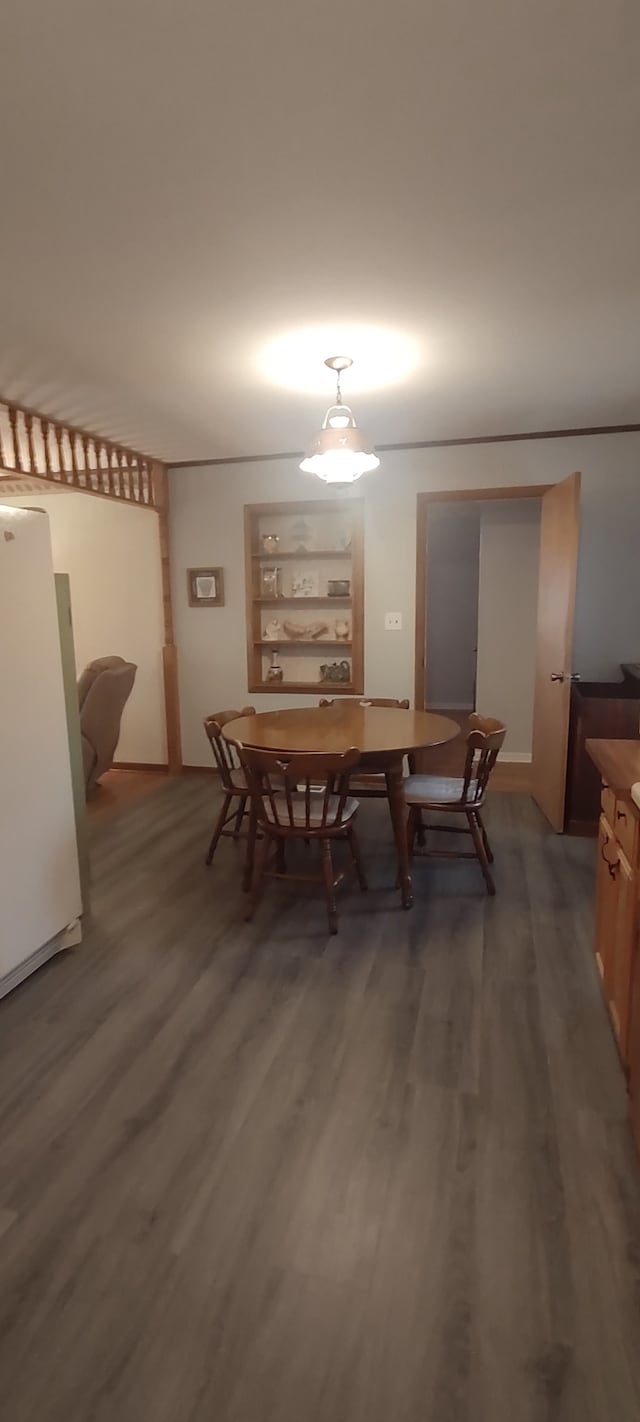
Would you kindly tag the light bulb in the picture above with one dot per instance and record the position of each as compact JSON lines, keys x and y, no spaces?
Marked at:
{"x":340,"y":466}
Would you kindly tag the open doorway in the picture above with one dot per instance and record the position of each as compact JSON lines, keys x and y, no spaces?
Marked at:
{"x":453,"y":577}
{"x":482,"y":562}
{"x":495,"y":596}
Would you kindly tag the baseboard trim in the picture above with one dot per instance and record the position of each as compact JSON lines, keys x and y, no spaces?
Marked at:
{"x":157,"y":765}
{"x":512,"y":772}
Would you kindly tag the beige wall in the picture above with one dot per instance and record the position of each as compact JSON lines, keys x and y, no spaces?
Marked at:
{"x":112,"y":556}
{"x":507,"y":617}
{"x":207,"y":529}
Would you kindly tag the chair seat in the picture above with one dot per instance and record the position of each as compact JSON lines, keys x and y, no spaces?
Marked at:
{"x":439,"y":790}
{"x":239,"y":783}
{"x":315,"y":817}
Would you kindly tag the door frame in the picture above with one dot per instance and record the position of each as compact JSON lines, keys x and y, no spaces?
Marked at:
{"x":425,"y":500}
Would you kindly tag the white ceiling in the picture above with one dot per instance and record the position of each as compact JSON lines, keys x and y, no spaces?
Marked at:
{"x":186,"y":182}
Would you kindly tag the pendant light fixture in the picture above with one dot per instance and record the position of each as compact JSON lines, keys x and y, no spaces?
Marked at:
{"x":339,"y":453}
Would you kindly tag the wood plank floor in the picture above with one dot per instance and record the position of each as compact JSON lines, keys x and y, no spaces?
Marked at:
{"x":120,"y":788}
{"x":248,"y":1172}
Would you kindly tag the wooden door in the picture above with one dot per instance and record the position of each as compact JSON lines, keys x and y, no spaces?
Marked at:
{"x":556,"y":605}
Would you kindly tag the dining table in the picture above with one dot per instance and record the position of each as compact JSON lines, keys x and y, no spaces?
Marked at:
{"x":384,"y":735}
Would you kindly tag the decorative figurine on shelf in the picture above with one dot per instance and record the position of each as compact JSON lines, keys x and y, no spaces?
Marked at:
{"x":304,"y":583}
{"x":272,"y":631}
{"x":271,"y":582}
{"x":335,"y":671}
{"x":270,"y":542}
{"x":300,"y":536}
{"x":275,"y":672}
{"x":342,"y":629}
{"x":310,"y":631}
{"x":345,"y":542}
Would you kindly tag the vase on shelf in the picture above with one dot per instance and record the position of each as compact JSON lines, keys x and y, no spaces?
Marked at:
{"x":274,"y":671}
{"x":271,"y":582}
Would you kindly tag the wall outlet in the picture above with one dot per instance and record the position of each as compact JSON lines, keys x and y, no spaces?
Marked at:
{"x":393,"y":621}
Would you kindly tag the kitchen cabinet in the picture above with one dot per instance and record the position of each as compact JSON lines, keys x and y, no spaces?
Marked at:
{"x":634,"y":1057}
{"x":598,"y":709}
{"x":616,"y":896}
{"x":617,"y":903}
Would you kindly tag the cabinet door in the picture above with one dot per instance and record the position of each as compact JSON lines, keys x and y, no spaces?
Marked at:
{"x":606,"y":903}
{"x":634,"y":1046}
{"x":624,"y":952}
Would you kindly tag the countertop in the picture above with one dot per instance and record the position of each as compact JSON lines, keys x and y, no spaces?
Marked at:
{"x":618,"y":763}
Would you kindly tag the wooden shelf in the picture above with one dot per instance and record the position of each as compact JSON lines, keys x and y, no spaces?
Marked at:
{"x":320,"y":553}
{"x":286,"y":644}
{"x":328,"y":522}
{"x":297,"y":601}
{"x":314,"y":688}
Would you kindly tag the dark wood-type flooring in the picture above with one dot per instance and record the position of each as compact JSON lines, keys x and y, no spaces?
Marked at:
{"x":249,"y":1173}
{"x":120,"y":788}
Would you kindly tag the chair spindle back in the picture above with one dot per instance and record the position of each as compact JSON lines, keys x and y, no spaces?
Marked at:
{"x":484,"y":742}
{"x":224,"y":752}
{"x":298,"y":793}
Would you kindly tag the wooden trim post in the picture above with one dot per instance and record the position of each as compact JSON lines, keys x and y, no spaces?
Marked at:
{"x":169,"y":650}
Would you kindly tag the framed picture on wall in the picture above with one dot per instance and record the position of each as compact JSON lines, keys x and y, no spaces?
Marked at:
{"x":206,"y":587}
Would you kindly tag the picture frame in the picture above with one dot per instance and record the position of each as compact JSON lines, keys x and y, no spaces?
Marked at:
{"x":205,"y":587}
{"x":305,"y":582}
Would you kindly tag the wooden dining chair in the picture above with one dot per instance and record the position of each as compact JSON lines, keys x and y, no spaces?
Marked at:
{"x":371,"y":784}
{"x":459,"y":795}
{"x":232,"y":778}
{"x":302,"y":797}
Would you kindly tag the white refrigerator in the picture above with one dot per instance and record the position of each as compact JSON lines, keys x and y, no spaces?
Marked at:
{"x":40,"y":899}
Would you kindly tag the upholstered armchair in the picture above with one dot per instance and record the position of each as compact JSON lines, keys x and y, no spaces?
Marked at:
{"x":103,"y":691}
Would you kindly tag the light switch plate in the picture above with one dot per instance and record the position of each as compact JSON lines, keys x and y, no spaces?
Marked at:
{"x":393,"y":621}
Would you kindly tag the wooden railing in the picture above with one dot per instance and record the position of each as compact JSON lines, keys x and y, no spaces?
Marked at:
{"x":36,"y":445}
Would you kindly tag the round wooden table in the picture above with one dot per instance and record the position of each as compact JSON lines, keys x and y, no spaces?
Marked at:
{"x":382,"y":734}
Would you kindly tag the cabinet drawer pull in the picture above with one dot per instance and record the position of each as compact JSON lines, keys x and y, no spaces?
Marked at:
{"x":612,"y":864}
{"x":621,"y":815}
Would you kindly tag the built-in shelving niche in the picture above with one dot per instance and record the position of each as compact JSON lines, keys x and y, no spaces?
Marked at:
{"x":315,"y":545}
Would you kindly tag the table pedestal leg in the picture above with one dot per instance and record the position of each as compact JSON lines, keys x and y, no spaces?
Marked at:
{"x":398,"y":812}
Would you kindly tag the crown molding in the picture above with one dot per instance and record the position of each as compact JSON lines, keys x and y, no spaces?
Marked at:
{"x":575,"y":433}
